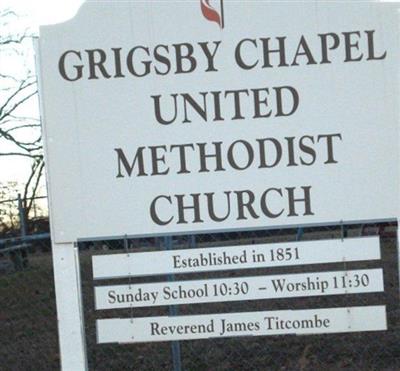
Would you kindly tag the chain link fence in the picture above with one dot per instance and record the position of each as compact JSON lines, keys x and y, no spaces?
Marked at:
{"x":361,"y":351}
{"x":28,"y":330}
{"x":29,"y":321}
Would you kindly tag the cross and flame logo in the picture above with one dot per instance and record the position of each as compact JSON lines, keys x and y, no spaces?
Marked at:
{"x":210,"y":13}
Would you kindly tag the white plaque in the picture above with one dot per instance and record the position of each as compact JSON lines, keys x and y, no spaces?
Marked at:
{"x":235,"y":257}
{"x":239,"y":289}
{"x":299,"y":322}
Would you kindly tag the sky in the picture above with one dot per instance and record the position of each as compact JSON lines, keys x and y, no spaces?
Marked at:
{"x":44,"y":11}
{"x":33,"y":13}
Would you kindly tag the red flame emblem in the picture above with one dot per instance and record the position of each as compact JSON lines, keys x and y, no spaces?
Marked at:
{"x":211,"y":14}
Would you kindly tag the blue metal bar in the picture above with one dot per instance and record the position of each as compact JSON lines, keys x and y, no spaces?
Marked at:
{"x":31,"y":237}
{"x":28,"y":198}
{"x":192,"y":241}
{"x":299,"y":234}
{"x":173,"y":311}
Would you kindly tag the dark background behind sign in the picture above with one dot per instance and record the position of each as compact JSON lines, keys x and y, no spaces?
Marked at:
{"x":29,"y":319}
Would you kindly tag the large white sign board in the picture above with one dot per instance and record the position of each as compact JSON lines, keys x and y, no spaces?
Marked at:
{"x":159,"y":121}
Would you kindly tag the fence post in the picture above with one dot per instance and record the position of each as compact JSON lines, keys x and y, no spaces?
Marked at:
{"x":20,"y":257}
{"x":173,"y":311}
{"x":22,"y":216}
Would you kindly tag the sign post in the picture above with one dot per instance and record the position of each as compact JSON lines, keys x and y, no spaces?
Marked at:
{"x":67,"y":282}
{"x":69,"y":307}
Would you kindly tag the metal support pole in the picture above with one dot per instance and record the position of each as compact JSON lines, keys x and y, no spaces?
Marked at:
{"x":22,"y":255}
{"x":192,"y":241}
{"x":71,"y":330}
{"x":22,"y":219}
{"x":299,"y":234}
{"x":343,"y":230}
{"x":173,"y":311}
{"x":398,"y":250}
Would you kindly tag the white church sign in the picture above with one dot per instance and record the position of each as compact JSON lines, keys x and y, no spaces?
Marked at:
{"x":165,"y":117}
{"x":158,"y":121}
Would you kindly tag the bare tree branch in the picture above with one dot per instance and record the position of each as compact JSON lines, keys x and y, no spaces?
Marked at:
{"x":24,"y":118}
{"x":20,"y":154}
{"x":18,"y":86}
{"x":39,"y":171}
{"x":4,"y":76}
{"x":7,"y":12}
{"x":21,"y":126}
{"x":24,"y":85}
